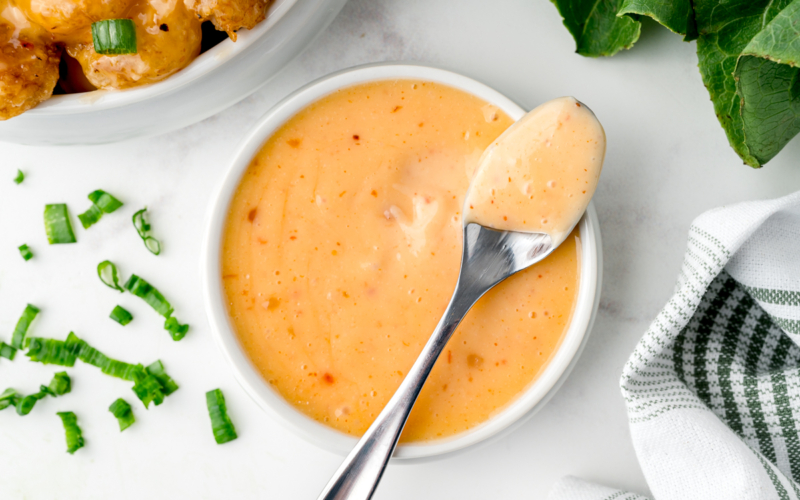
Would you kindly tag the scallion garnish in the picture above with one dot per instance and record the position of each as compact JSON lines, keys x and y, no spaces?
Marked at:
{"x":6,"y":351}
{"x":25,"y":252}
{"x":60,"y":385}
{"x":121,"y":315}
{"x":89,"y":217}
{"x":57,"y":225}
{"x":9,"y":397}
{"x":122,"y":410}
{"x":107,"y":272}
{"x":92,"y":356}
{"x":73,"y":432}
{"x":20,"y":177}
{"x":51,"y":351}
{"x":23,"y":324}
{"x":148,"y":389}
{"x":220,"y":421}
{"x":143,"y":228}
{"x":102,"y":203}
{"x":149,"y":294}
{"x":114,"y":36}
{"x":168,"y":385}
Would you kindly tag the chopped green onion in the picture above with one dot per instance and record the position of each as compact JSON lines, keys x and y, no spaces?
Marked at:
{"x":114,"y":36}
{"x":107,"y":272}
{"x":6,"y":351}
{"x":25,"y":252}
{"x":220,"y":421}
{"x":148,"y":389}
{"x":57,"y":225}
{"x":73,"y":432}
{"x":51,"y":351}
{"x":20,"y":177}
{"x":156,"y":369}
{"x":143,"y":227}
{"x":90,"y":217}
{"x":28,"y":315}
{"x":92,"y":356}
{"x":123,"y":412}
{"x":149,"y":294}
{"x":175,"y":329}
{"x":9,"y":397}
{"x":60,"y":385}
{"x":102,"y":203}
{"x":121,"y":315}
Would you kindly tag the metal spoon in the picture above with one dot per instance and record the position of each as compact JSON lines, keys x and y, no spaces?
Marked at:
{"x":488,"y":257}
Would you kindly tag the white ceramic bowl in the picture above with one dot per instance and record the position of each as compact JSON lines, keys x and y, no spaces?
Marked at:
{"x":215,"y":80}
{"x":505,"y":420}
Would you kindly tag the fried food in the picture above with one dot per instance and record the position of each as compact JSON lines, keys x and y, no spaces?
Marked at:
{"x":28,"y":62}
{"x":64,"y":17}
{"x":168,"y":38}
{"x":230,"y":15}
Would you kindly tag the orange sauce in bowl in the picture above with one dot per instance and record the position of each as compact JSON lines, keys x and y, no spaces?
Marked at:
{"x":342,"y":249}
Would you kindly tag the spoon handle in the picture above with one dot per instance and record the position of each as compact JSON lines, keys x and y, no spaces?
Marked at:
{"x":358,"y":476}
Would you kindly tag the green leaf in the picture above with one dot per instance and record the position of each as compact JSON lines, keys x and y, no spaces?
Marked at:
{"x":676,"y":15}
{"x":596,"y":28}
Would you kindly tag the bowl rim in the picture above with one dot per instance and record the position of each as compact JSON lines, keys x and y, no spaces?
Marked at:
{"x":505,"y":419}
{"x":205,"y":63}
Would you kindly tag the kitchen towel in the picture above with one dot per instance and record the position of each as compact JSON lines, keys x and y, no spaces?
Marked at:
{"x":713,"y":388}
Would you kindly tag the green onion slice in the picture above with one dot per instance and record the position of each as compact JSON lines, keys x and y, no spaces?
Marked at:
{"x":9,"y":397}
{"x":92,"y":356}
{"x":20,"y":177}
{"x":220,"y":421}
{"x":104,"y":201}
{"x":6,"y":351}
{"x":123,"y":412}
{"x":121,"y":315}
{"x":90,"y":217}
{"x":61,"y":384}
{"x":114,"y":36}
{"x":28,"y":315}
{"x":156,"y":369}
{"x":147,"y":292}
{"x":107,"y":272}
{"x":73,"y":432}
{"x":148,"y":389}
{"x":175,"y":329}
{"x":57,"y":225}
{"x":51,"y":351}
{"x":25,"y":252}
{"x":143,"y":228}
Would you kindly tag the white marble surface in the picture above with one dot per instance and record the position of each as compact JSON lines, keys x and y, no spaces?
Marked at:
{"x":667,"y":161}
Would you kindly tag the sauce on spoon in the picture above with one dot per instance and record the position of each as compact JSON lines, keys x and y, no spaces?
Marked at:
{"x":541,"y":173}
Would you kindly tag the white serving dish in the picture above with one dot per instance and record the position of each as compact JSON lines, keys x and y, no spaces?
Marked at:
{"x":218,"y":78}
{"x":248,"y":376}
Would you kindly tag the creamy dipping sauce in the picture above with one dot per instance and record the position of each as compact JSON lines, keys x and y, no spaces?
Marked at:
{"x":540,"y":175}
{"x":342,"y":249}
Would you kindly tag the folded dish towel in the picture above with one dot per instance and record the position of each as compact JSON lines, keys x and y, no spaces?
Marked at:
{"x":713,"y":388}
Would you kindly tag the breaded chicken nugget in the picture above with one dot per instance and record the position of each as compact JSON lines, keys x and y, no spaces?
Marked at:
{"x":230,"y":15}
{"x":167,"y":38}
{"x":69,"y":16}
{"x":28,"y":63}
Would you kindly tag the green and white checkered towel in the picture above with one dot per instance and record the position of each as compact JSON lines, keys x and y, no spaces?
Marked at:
{"x":713,"y":388}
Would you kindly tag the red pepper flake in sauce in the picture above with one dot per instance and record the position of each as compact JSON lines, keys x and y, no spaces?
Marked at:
{"x":295,"y":143}
{"x":397,"y":108}
{"x":328,"y":378}
{"x":251,"y":215}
